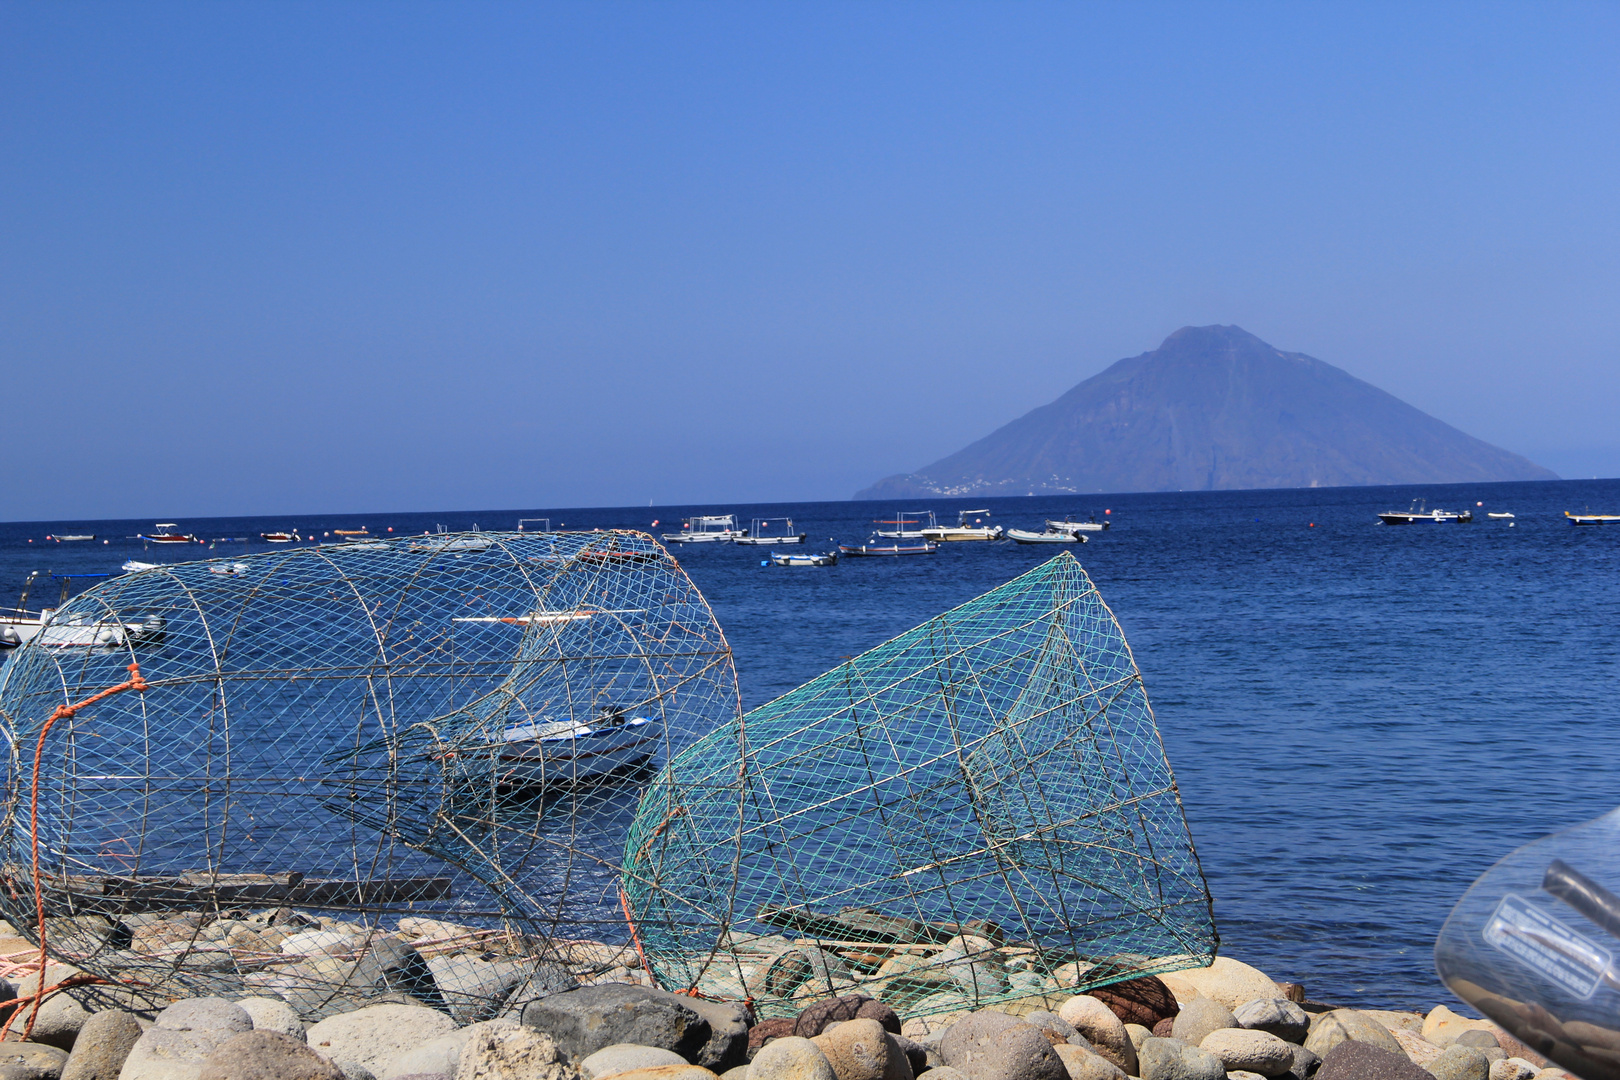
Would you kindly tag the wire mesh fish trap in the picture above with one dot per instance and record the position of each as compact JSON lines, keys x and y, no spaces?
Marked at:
{"x":977,"y":811}
{"x":402,"y":765}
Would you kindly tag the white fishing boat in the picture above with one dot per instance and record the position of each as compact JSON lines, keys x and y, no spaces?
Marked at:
{"x":804,"y":558}
{"x":279,"y":537}
{"x":1592,"y":519}
{"x":164,"y":533}
{"x":1050,"y":536}
{"x":18,"y":628}
{"x":563,"y":751}
{"x":709,"y":529}
{"x":1091,"y":524}
{"x":870,"y":550}
{"x":908,"y":525}
{"x":87,"y":632}
{"x":759,"y":532}
{"x":1499,"y":517}
{"x":963,"y":529}
{"x":230,"y":569}
{"x":69,"y":539}
{"x":135,"y":566}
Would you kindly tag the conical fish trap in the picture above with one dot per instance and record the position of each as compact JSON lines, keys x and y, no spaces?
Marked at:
{"x":402,"y":765}
{"x":976,"y":811}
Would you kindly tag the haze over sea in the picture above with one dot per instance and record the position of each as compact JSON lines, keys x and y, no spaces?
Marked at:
{"x":1361,"y":718}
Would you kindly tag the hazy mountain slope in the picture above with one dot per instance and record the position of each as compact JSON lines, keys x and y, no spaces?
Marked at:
{"x":1214,"y":407}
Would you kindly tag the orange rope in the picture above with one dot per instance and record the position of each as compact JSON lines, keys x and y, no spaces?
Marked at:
{"x":635,"y":938}
{"x":63,"y":712}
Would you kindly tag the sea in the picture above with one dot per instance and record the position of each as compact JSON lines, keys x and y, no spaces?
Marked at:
{"x":1361,"y":718}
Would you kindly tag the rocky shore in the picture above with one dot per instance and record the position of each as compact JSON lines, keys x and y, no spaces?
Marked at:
{"x":1228,"y":1021}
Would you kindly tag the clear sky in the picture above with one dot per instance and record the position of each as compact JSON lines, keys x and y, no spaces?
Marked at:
{"x":280,"y":257}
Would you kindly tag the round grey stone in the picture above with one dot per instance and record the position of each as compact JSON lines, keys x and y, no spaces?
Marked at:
{"x":791,"y":1058}
{"x":986,"y":1047}
{"x":31,"y":1061}
{"x":213,"y":1014}
{"x":1198,"y":1018}
{"x":441,"y":1055}
{"x":1172,"y":1059}
{"x":103,"y":1044}
{"x":267,"y":1055}
{"x":622,"y":1057}
{"x":273,"y":1014}
{"x":1277,"y":1016}
{"x":374,"y":1036}
{"x":1461,"y":1062}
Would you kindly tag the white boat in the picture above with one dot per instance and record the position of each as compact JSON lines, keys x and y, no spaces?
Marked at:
{"x":66,"y":539}
{"x":711,"y":529}
{"x":871,"y":550}
{"x":84,"y":632}
{"x":19,"y":628}
{"x":563,"y":751}
{"x":908,"y":525}
{"x":451,"y":542}
{"x":279,"y":537}
{"x":1592,"y":519}
{"x":1050,"y":536}
{"x":1089,"y":525}
{"x":165,"y":534}
{"x":804,"y":558}
{"x":134,"y":566}
{"x":962,"y":530}
{"x":1499,"y":517}
{"x":230,"y":569}
{"x":759,"y":532}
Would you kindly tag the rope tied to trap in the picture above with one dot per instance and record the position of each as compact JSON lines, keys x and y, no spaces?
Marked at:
{"x":67,"y":711}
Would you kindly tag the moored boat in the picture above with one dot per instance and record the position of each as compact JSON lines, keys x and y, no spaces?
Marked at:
{"x":165,"y":534}
{"x":350,"y":532}
{"x":1091,"y":524}
{"x":1499,"y":517}
{"x":869,"y":550}
{"x":759,"y":532}
{"x":908,"y":525}
{"x":707,"y":529}
{"x":279,"y":537}
{"x":1592,"y":519}
{"x":69,"y":539}
{"x":804,"y":558}
{"x":962,"y":530}
{"x":1418,"y":513}
{"x":563,"y":751}
{"x":1050,"y":536}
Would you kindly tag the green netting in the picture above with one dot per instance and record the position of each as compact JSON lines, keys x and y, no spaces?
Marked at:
{"x":435,"y":742}
{"x":976,"y":811}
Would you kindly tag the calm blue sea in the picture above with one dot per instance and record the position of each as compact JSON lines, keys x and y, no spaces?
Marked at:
{"x":1361,"y":718}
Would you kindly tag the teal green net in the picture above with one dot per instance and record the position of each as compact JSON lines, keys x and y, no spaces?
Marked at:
{"x":977,"y":811}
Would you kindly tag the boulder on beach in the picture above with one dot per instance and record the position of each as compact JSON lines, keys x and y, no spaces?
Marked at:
{"x":790,"y":1057}
{"x":1230,"y":982}
{"x":1145,"y":1000}
{"x":1082,"y":1064}
{"x":373,"y":1036}
{"x":31,"y":1061}
{"x":267,"y":1055}
{"x":623,"y":1057}
{"x":990,"y":1045}
{"x":1104,"y":1030}
{"x":861,"y":1049}
{"x":1329,"y":1029}
{"x":511,"y":1053}
{"x":1198,"y":1018}
{"x":1250,"y":1051}
{"x":1277,"y":1016}
{"x":1172,"y":1059}
{"x":441,"y":1054}
{"x":1351,"y":1060}
{"x":1460,"y":1062}
{"x":103,"y":1044}
{"x":583,"y":1021}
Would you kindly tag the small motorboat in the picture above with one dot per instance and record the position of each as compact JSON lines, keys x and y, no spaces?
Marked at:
{"x":350,"y":532}
{"x":1499,"y":517}
{"x":1592,"y":519}
{"x":804,"y":558}
{"x":1091,"y":524}
{"x":279,"y":537}
{"x":84,"y":632}
{"x":963,"y":530}
{"x":563,"y":751}
{"x":1419,"y":513}
{"x":165,"y":534}
{"x":134,"y":566}
{"x":712,"y":529}
{"x":869,"y":549}
{"x":230,"y":569}
{"x":1050,"y":536}
{"x":759,"y":532}
{"x":70,"y":539}
{"x":909,"y":525}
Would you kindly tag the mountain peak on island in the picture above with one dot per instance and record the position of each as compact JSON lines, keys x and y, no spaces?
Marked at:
{"x":1213,"y":408}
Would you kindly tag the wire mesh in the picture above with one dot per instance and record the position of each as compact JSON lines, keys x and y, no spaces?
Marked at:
{"x":977,"y":811}
{"x":380,"y":766}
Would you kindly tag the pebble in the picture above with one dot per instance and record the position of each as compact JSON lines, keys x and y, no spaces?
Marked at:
{"x":31,"y":1061}
{"x":1251,"y":1051}
{"x":622,"y":1057}
{"x":739,"y":1072}
{"x":814,"y":1020}
{"x":205,"y":1014}
{"x":273,"y":1014}
{"x":1461,"y":1062}
{"x":1305,"y":1063}
{"x":1329,"y":1029}
{"x":1352,"y":1060}
{"x":104,"y":1042}
{"x":473,"y":988}
{"x":1512,"y":1069}
{"x":791,"y":1057}
{"x":1279,"y":1016}
{"x":585,"y":1020}
{"x":1230,"y":982}
{"x":861,"y":1049}
{"x":1172,"y":1059}
{"x":60,"y":1016}
{"x":165,"y":1054}
{"x":520,"y":1054}
{"x":1198,"y":1018}
{"x":1137,"y":1034}
{"x":1442,"y":1026}
{"x":991,"y":1045}
{"x":1416,"y":1047}
{"x":776,"y":1027}
{"x":1102,"y":1029}
{"x":267,"y":1055}
{"x":440,"y":1055}
{"x":373,"y":1036}
{"x":1082,"y":1064}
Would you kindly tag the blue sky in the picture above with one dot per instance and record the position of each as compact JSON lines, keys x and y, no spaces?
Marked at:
{"x":266,"y":258}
